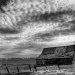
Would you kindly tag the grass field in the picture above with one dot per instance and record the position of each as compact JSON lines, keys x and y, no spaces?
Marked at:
{"x":54,"y":70}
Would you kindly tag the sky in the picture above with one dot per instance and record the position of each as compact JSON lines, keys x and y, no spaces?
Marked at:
{"x":24,"y":33}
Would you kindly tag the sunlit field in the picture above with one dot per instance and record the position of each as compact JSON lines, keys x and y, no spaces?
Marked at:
{"x":54,"y":70}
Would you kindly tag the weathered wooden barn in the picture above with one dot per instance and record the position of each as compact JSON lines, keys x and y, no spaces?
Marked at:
{"x":63,"y":55}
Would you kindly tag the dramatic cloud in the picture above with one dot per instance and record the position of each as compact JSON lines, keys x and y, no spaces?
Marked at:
{"x":25,"y":33}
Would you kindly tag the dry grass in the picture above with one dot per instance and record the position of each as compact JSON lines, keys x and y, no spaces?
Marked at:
{"x":54,"y":70}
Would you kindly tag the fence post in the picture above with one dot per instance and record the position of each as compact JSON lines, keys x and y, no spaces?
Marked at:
{"x":29,"y":67}
{"x":7,"y":69}
{"x":18,"y":69}
{"x":35,"y":67}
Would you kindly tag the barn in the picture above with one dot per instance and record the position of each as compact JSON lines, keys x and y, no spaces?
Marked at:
{"x":63,"y":55}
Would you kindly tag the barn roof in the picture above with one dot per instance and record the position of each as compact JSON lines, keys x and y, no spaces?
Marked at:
{"x":57,"y":52}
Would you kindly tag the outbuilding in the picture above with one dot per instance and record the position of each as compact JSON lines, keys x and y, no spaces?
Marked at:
{"x":63,"y":55}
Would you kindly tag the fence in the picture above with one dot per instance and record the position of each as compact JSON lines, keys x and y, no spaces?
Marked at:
{"x":28,"y":68}
{"x":14,"y":69}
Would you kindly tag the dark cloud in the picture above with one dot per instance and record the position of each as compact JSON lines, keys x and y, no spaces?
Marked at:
{"x":9,"y":31}
{"x":54,"y":16}
{"x":3,"y":3}
{"x":3,"y":48}
{"x":11,"y":38}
